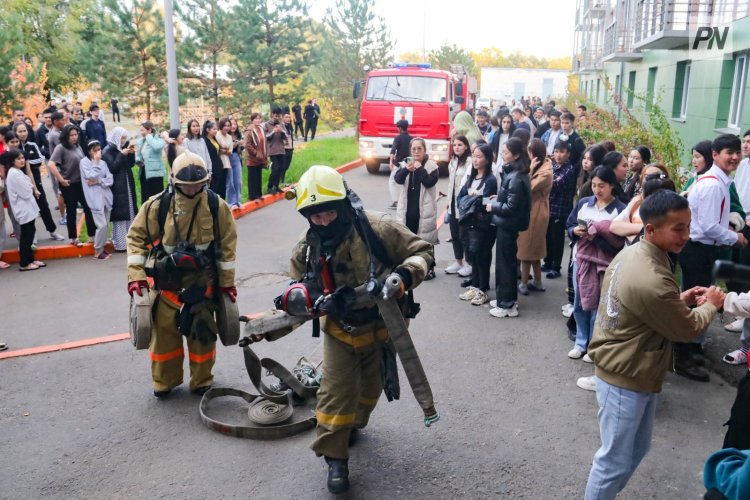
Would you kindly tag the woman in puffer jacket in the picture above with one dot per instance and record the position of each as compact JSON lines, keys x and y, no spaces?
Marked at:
{"x":511,"y":211}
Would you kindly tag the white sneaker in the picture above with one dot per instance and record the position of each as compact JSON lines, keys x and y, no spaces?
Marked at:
{"x":735,"y":326}
{"x":465,"y":271}
{"x":469,"y":294}
{"x":453,"y":268}
{"x":567,"y":310}
{"x":501,"y":312}
{"x":575,"y":353}
{"x":54,"y":236}
{"x":587,"y":359}
{"x":493,"y":303}
{"x":479,"y":299}
{"x":587,"y":383}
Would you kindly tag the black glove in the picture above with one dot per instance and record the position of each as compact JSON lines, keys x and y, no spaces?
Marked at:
{"x":405,"y":276}
{"x":389,"y":374}
{"x":340,"y":302}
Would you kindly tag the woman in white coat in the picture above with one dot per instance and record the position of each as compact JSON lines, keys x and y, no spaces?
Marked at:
{"x":22,"y":201}
{"x":417,"y":205}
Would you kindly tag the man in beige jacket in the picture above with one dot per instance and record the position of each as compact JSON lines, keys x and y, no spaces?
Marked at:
{"x":641,"y":313}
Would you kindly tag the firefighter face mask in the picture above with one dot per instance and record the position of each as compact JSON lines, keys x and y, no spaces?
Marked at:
{"x":332,"y":231}
{"x":190,"y":190}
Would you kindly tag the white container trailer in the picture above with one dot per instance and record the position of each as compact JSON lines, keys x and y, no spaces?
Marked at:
{"x":514,"y":83}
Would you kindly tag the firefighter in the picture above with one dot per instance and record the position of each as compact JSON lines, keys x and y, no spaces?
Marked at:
{"x":335,"y":255}
{"x":187,"y":250}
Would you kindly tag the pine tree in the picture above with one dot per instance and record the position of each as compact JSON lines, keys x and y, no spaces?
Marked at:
{"x":271,"y":46}
{"x":355,"y":37}
{"x":206,"y":45}
{"x":130,"y":53}
{"x":10,"y":54}
{"x":446,"y":55}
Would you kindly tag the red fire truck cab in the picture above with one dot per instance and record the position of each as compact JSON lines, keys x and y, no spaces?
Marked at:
{"x":427,"y":98}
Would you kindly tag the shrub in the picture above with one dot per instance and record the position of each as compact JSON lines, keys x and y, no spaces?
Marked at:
{"x":656,"y":134}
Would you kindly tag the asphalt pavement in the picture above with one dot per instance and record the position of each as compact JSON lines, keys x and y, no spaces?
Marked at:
{"x":83,"y":423}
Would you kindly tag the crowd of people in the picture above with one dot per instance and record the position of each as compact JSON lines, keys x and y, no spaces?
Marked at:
{"x":91,"y":168}
{"x":522,"y":180}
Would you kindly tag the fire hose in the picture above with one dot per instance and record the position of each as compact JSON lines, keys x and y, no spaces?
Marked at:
{"x":270,"y":411}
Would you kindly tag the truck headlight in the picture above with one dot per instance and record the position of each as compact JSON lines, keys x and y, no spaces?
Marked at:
{"x":365,"y":144}
{"x":440,"y":147}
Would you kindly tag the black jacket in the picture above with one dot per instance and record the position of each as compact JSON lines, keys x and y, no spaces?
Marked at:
{"x":41,"y":140}
{"x":511,"y":209}
{"x":542,"y":129}
{"x":121,"y":167}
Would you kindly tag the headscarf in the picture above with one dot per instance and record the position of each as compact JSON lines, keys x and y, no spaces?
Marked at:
{"x":115,"y":137}
{"x":463,"y":124}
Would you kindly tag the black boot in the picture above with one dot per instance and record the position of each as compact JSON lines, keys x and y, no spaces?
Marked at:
{"x":685,"y":365}
{"x":162,"y":394}
{"x":338,"y":475}
{"x":353,"y":437}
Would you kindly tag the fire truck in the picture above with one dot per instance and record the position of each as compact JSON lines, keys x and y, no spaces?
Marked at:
{"x":427,"y":98}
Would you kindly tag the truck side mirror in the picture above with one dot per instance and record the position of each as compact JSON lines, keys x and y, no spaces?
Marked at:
{"x":459,"y":88}
{"x":459,"y":99}
{"x":355,"y":90}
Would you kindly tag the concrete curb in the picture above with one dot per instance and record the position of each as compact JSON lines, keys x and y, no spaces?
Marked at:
{"x":69,"y":251}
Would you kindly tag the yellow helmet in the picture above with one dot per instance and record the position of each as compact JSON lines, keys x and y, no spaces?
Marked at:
{"x":320,"y":184}
{"x":189,"y":168}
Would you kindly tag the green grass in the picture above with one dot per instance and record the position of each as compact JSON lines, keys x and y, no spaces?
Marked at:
{"x":331,"y":152}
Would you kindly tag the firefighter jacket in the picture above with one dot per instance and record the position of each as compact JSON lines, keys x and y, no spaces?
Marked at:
{"x":349,"y":266}
{"x":201,"y":236}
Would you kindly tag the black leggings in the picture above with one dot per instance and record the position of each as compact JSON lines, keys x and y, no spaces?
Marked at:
{"x":154,"y":185}
{"x":482,"y":260}
{"x":555,"y":243}
{"x":73,"y":195}
{"x":28,"y":231}
{"x":219,"y":182}
{"x":506,"y":268}
{"x":458,"y":248}
{"x":49,"y":222}
{"x":254,"y":182}
{"x":277,"y":167}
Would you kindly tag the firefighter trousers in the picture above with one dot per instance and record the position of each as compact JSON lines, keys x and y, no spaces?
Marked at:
{"x":168,"y":355}
{"x":350,"y":387}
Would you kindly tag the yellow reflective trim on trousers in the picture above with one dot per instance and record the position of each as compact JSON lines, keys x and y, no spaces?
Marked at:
{"x":372,"y":402}
{"x":355,"y":341}
{"x":327,"y":419}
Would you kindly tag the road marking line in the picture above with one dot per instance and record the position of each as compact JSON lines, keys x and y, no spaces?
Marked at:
{"x":62,"y":347}
{"x":75,"y":344}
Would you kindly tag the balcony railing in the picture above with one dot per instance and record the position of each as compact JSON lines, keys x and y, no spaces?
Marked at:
{"x":665,"y":24}
{"x":619,"y":41}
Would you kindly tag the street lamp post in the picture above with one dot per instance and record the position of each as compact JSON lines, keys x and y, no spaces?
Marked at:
{"x":174,"y":101}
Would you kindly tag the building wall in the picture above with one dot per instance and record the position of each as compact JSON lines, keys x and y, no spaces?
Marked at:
{"x":709,"y":91}
{"x":502,"y":83}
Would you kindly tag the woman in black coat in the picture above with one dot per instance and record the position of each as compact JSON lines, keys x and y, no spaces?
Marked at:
{"x":120,"y":159}
{"x":510,"y":214}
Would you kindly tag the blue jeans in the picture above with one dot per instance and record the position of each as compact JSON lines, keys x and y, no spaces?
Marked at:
{"x":234,"y":181}
{"x":626,"y":419}
{"x":585,"y":320}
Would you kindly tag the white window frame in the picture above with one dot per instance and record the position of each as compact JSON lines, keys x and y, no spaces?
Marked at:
{"x":685,"y":88}
{"x":739,"y":80}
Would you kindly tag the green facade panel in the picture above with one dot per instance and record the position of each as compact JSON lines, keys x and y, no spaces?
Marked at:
{"x":709,"y":86}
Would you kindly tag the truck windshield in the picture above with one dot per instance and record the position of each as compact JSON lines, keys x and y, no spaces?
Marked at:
{"x":406,"y":88}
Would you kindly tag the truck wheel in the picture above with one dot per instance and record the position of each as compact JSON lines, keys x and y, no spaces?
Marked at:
{"x":373,"y":166}
{"x":442,"y":169}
